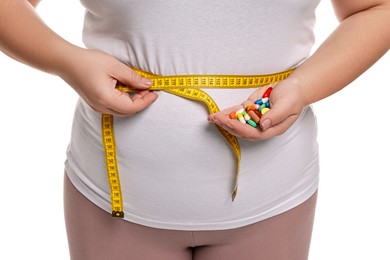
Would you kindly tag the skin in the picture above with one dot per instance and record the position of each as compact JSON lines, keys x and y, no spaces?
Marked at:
{"x":362,"y":37}
{"x":38,"y":46}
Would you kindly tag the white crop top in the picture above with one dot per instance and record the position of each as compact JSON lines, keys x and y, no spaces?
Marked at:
{"x":176,"y":170}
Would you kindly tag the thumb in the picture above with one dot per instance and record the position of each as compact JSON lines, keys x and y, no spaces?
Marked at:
{"x":279,"y":112}
{"x":126,"y":75}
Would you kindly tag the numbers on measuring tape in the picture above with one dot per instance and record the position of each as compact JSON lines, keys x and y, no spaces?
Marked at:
{"x":208,"y":81}
{"x":111,"y":165}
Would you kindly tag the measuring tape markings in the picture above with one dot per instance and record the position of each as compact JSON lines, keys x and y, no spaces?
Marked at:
{"x":186,"y":86}
{"x":111,"y":164}
{"x":208,"y":81}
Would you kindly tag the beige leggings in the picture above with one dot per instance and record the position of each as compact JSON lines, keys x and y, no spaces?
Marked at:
{"x":94,"y":235}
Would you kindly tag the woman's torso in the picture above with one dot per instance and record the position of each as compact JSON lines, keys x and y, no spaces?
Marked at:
{"x":176,"y":170}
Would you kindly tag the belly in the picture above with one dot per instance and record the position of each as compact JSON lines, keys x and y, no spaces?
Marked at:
{"x":177,"y":170}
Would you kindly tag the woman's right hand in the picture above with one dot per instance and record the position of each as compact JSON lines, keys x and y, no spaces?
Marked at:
{"x":94,"y":75}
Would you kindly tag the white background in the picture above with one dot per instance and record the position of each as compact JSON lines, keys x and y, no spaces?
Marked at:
{"x":352,"y":220}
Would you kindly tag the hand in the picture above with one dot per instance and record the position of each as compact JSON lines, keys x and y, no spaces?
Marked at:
{"x":94,"y":75}
{"x":287,"y":102}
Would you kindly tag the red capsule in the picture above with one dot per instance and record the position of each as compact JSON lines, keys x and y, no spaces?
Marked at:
{"x":267,"y":92}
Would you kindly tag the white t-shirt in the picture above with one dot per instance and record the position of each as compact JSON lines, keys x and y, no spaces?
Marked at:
{"x":176,"y":170}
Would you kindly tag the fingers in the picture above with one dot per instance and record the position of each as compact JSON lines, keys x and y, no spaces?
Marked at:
{"x":275,"y":116}
{"x":285,"y":109}
{"x":283,"y":113}
{"x":270,"y":129}
{"x":94,"y":77}
{"x":124,"y":74}
{"x":222,"y":114}
{"x":126,"y":104}
{"x":234,"y":126}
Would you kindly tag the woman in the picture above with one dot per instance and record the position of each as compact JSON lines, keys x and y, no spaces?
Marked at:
{"x":177,"y":197}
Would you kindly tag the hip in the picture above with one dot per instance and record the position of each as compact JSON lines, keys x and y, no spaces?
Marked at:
{"x":175,"y":167}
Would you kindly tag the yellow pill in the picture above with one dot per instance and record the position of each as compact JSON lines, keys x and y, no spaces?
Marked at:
{"x":240,"y":118}
{"x":264,"y":110}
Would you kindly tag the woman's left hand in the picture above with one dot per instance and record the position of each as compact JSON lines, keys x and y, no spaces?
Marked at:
{"x":287,"y":102}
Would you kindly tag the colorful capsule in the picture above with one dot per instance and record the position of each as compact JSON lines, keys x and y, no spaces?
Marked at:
{"x":240,"y":117}
{"x":252,"y":123}
{"x":252,"y":113}
{"x":264,"y":110}
{"x":240,"y":110}
{"x":247,"y":117}
{"x":257,"y":112}
{"x":267,"y":92}
{"x":250,"y":107}
{"x":259,"y":102}
{"x":233,"y":115}
{"x":254,"y":116}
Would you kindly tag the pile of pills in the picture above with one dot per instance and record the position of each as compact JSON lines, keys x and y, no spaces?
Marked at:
{"x":253,"y":112}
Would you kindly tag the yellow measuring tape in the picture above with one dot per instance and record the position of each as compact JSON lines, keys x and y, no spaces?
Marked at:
{"x":186,"y":86}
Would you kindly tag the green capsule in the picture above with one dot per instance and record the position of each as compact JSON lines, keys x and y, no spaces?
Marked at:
{"x":252,"y":123}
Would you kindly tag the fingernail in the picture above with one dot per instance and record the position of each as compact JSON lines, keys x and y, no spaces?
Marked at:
{"x":147,"y":82}
{"x":266,"y":124}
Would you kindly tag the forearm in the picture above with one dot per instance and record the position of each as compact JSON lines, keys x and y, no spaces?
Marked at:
{"x":358,"y":42}
{"x":25,"y":37}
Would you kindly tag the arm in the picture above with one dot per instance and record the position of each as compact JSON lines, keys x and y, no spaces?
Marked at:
{"x":25,"y":37}
{"x":362,"y":37}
